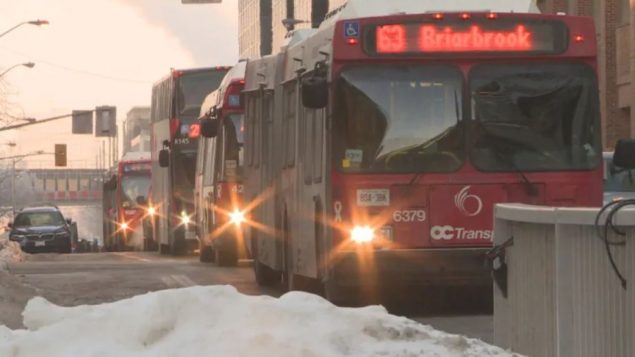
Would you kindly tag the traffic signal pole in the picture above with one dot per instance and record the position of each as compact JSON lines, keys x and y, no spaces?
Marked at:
{"x":17,"y":126}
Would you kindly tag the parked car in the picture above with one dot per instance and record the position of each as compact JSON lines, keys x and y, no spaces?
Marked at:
{"x":619,"y":183}
{"x":42,"y":229}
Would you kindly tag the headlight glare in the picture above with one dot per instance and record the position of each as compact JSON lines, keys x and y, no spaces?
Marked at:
{"x":362,"y":234}
{"x":237,"y":217}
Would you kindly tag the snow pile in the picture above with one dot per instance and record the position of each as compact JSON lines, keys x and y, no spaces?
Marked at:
{"x":10,"y":252}
{"x":219,"y":321}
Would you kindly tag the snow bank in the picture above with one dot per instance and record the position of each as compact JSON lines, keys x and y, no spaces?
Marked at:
{"x":219,"y":321}
{"x":10,"y":252}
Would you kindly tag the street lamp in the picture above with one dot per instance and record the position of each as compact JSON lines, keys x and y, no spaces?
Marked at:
{"x":34,"y":22}
{"x":27,"y":65}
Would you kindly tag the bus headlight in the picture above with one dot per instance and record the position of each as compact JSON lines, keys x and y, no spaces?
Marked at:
{"x":152,"y":211}
{"x":362,"y":234}
{"x":185,"y":219}
{"x":124,"y":226}
{"x":237,"y":217}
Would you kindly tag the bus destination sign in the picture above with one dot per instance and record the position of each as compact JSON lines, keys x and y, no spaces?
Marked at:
{"x":488,"y":37}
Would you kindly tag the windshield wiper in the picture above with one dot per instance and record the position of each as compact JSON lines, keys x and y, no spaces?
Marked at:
{"x":530,"y":187}
{"x":458,"y":118}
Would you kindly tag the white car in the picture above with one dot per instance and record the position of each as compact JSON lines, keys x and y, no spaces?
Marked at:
{"x":618,"y":183}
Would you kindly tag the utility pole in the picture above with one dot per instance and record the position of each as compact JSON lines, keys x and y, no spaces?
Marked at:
{"x":13,"y":185}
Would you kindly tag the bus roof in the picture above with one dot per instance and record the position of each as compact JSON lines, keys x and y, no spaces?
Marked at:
{"x":136,"y":156}
{"x":190,"y":70}
{"x":370,"y":8}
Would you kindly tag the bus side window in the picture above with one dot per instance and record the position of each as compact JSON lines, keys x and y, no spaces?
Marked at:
{"x":219,"y":157}
{"x":291,"y":103}
{"x":257,"y":130}
{"x":249,"y":129}
{"x":309,"y":130}
{"x":318,"y":144}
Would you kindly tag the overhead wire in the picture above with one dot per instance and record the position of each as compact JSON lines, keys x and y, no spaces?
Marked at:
{"x":80,"y":71}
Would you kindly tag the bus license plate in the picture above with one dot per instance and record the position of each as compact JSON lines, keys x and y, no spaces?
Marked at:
{"x":40,"y":243}
{"x":190,"y":235}
{"x":373,"y":197}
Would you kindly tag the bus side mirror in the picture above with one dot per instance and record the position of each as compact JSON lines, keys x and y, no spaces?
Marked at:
{"x":209,"y":128}
{"x":315,"y":92}
{"x":69,"y":221}
{"x":10,"y":225}
{"x":141,"y":201}
{"x":624,"y":154}
{"x":164,"y":158}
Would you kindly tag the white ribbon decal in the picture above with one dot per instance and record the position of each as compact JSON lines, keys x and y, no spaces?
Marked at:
{"x":337,"y":207}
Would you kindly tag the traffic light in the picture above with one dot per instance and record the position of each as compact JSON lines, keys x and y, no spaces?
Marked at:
{"x":60,"y":155}
{"x":82,"y":121}
{"x":105,"y":121}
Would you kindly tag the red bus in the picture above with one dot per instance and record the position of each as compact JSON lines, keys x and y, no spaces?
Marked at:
{"x":218,"y":190}
{"x":131,"y":190}
{"x":382,"y":143}
{"x":176,"y":103}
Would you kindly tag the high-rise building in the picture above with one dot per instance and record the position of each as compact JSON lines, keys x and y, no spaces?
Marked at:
{"x":616,"y":69}
{"x":254,"y":28}
{"x":136,"y":134}
{"x":264,"y":23}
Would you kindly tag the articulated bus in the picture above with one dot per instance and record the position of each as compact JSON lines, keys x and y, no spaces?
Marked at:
{"x":176,"y":103}
{"x":218,"y":190}
{"x":130,"y":189}
{"x":379,"y":143}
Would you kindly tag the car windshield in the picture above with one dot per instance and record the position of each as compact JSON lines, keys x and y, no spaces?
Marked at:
{"x":617,"y":179}
{"x":38,"y":219}
{"x":404,"y":118}
{"x":534,"y":117}
{"x":194,"y":87}
{"x":133,"y":187}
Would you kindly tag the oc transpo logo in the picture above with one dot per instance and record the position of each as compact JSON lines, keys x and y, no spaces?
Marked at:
{"x":469,"y":204}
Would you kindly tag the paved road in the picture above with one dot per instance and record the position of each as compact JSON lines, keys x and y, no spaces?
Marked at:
{"x":96,"y":278}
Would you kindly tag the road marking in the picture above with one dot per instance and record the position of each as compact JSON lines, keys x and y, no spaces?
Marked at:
{"x":177,"y":281}
{"x":134,"y":257}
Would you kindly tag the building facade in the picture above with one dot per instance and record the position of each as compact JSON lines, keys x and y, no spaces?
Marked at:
{"x":615,"y":35}
{"x":254,"y":28}
{"x":136,"y":133}
{"x":262,"y":30}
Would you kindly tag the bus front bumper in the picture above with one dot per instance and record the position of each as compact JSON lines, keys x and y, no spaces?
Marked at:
{"x":452,"y":267}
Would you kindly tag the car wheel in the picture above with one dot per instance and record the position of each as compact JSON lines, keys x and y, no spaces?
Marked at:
{"x":206,"y":254}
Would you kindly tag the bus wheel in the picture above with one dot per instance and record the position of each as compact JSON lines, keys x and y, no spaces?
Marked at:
{"x":342,"y":296}
{"x":206,"y":254}
{"x":265,"y":276}
{"x":227,"y":257}
{"x":164,"y":249}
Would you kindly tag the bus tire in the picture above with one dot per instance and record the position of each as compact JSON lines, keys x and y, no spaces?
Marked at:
{"x":164,"y":249}
{"x":206,"y":254}
{"x":227,"y":257}
{"x":265,"y":276}
{"x":342,"y":296}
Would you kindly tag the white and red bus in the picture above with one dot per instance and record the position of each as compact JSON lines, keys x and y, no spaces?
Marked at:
{"x":175,"y":108}
{"x":130,"y":188}
{"x":380,"y":143}
{"x":218,"y":190}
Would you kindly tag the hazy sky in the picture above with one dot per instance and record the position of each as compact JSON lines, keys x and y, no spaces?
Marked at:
{"x":103,"y":52}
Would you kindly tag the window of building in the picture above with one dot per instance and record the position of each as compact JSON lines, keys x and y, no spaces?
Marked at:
{"x":624,"y":12}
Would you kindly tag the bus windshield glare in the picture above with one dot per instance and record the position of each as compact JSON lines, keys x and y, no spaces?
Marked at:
{"x":193,"y":87}
{"x":399,"y":119}
{"x":529,"y":117}
{"x":535,"y":117}
{"x":133,"y":187}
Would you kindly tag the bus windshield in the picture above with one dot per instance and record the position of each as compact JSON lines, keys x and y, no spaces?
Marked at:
{"x":402,"y":118}
{"x":193,"y":87}
{"x":534,"y":117}
{"x":133,"y":187}
{"x":234,"y":144}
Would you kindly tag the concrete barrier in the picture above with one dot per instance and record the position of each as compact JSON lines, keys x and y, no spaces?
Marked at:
{"x":563,"y":297}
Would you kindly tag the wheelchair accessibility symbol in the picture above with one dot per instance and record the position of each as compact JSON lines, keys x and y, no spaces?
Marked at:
{"x":351,"y":29}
